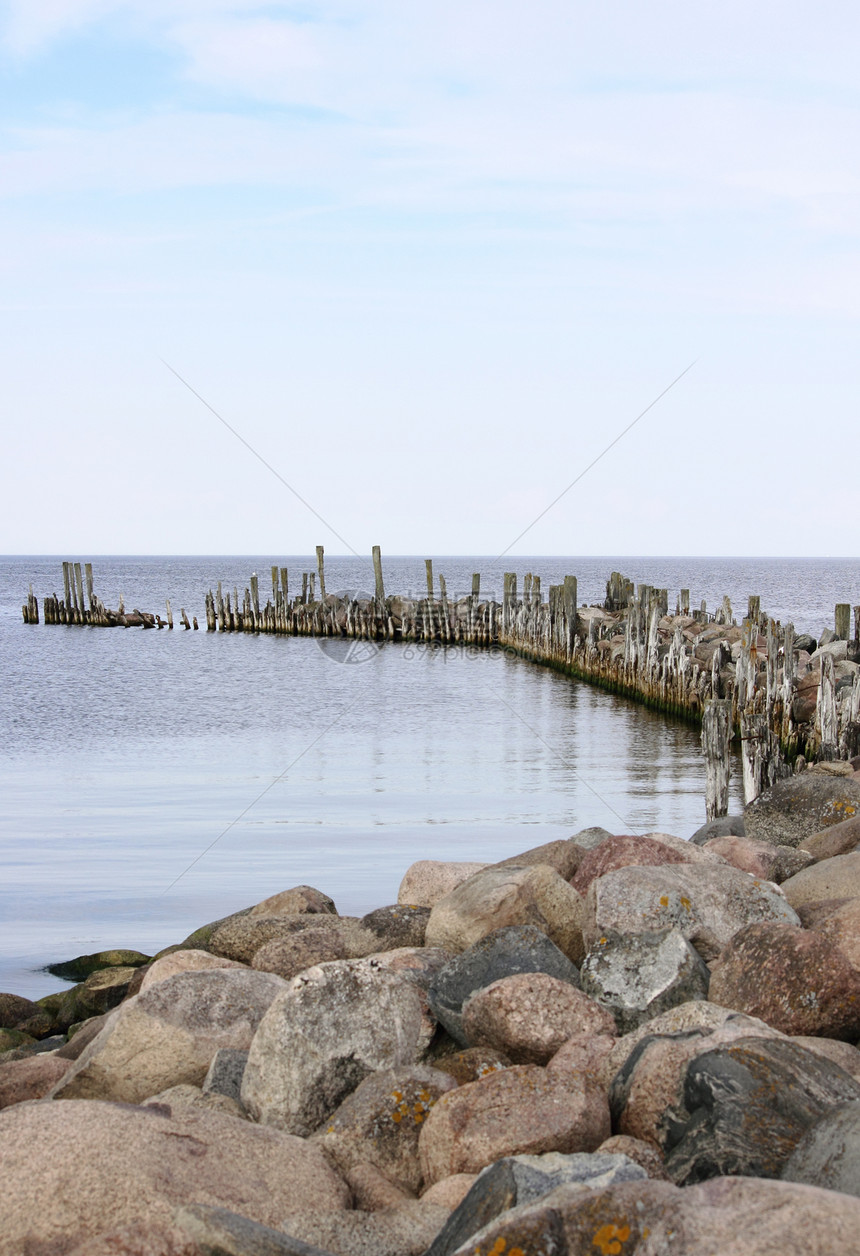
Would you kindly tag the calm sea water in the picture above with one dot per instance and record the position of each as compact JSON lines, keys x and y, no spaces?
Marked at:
{"x":152,"y":781}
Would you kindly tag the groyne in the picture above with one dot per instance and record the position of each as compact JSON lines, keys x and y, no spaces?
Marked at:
{"x":790,"y":698}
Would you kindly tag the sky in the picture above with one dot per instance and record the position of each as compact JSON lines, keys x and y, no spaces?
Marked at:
{"x":427,"y":262}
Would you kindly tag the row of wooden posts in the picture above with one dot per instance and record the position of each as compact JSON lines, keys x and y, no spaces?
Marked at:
{"x":631,"y":645}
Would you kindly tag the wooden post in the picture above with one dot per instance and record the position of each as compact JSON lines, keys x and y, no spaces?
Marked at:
{"x":476,"y":585}
{"x":184,"y":618}
{"x":321,"y":569}
{"x":428,"y":569}
{"x":509,"y":600}
{"x":716,"y":742}
{"x":569,"y":595}
{"x":255,"y":601}
{"x":88,"y":568}
{"x":685,"y":601}
{"x":275,"y":585}
{"x":66,"y":587}
{"x":169,"y":616}
{"x":312,"y":586}
{"x":79,"y":584}
{"x":754,"y":608}
{"x":377,"y":572}
{"x":285,"y":585}
{"x":304,"y":588}
{"x":842,"y":620}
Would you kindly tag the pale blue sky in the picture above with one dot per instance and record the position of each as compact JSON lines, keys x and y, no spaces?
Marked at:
{"x":429,"y":260}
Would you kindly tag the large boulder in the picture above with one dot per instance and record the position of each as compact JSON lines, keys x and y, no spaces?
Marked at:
{"x":795,"y":809}
{"x":721,"y":826}
{"x":324,"y":1033}
{"x":840,"y":924}
{"x":300,"y":900}
{"x":828,"y":1155}
{"x":405,"y":1230}
{"x":240,"y":937}
{"x":639,"y":975}
{"x":760,"y":859}
{"x":512,"y":895}
{"x":190,"y":961}
{"x":529,"y":1016}
{"x":708,"y":903}
{"x":621,"y":852}
{"x":428,"y":880}
{"x":74,"y":1171}
{"x":838,"y":839}
{"x":563,"y":854}
{"x":517,"y":949}
{"x":519,"y":1110}
{"x":30,"y":1078}
{"x":795,"y":980}
{"x":401,"y":924}
{"x":169,"y":1033}
{"x":833,"y":878}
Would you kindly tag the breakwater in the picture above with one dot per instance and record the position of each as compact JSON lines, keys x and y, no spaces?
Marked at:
{"x":790,"y":697}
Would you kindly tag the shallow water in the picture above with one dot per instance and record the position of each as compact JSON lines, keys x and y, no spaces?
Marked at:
{"x":152,"y":781}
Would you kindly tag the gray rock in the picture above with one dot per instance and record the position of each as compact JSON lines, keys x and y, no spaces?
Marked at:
{"x":803,"y":641}
{"x":589,"y":838}
{"x":79,"y":968}
{"x":332,"y":1026}
{"x":402,"y":924}
{"x":828,"y":1155}
{"x":723,"y":826}
{"x":226,"y":1072}
{"x":801,"y":806}
{"x":640,"y":975}
{"x":223,"y":1233}
{"x":517,"y":949}
{"x":406,"y":1230}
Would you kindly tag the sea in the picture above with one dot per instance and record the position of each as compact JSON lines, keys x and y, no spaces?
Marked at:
{"x":152,"y":781}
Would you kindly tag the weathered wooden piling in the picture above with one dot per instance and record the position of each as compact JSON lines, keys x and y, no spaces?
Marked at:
{"x":716,"y":747}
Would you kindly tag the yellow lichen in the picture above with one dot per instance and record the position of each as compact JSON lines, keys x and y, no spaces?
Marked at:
{"x":610,"y":1237}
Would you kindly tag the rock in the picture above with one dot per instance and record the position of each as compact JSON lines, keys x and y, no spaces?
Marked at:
{"x":83,"y":1036}
{"x":419,"y":964}
{"x":451,"y":1191}
{"x":169,"y":1033}
{"x":226,"y":1072}
{"x":467,"y":1066}
{"x":32,"y":1078}
{"x":708,"y":903}
{"x":397,"y":926}
{"x":100,"y":992}
{"x":581,"y":1054}
{"x":406,"y":1230}
{"x":14,"y":1009}
{"x":300,"y":900}
{"x":428,"y":880}
{"x":13,"y":1040}
{"x":291,"y":955}
{"x":323,"y":1034}
{"x":372,"y":1191}
{"x":841,"y":1053}
{"x":112,"y":1165}
{"x":587,"y":839}
{"x":690,"y":853}
{"x":702,"y":1017}
{"x":529,"y":1016}
{"x":841,"y":926}
{"x":498,"y":897}
{"x":760,"y":859}
{"x":563,"y":855}
{"x":517,"y":949}
{"x":180,"y":1098}
{"x":621,"y":852}
{"x":519,"y":1181}
{"x":519,"y":1110}
{"x":796,"y":981}
{"x":216,"y":1231}
{"x":82,"y":966}
{"x":184,"y":962}
{"x":381,"y":1120}
{"x":750,"y":1103}
{"x":828,"y":1155}
{"x":639,"y":975}
{"x":832,"y":878}
{"x":640,"y":1153}
{"x":795,"y":809}
{"x":838,"y":839}
{"x":722,"y":826}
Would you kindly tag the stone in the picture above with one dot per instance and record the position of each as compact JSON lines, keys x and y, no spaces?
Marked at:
{"x":828,"y":1154}
{"x":760,"y":859}
{"x":838,"y":877}
{"x":523,"y":1109}
{"x":708,"y":903}
{"x":702,"y":1017}
{"x":498,"y":897}
{"x":397,"y":926}
{"x":722,"y":826}
{"x":428,"y":880}
{"x":690,"y":853}
{"x":643,"y":1154}
{"x":241,"y":937}
{"x":300,"y":900}
{"x":381,"y":1120}
{"x":529,"y":1016}
{"x":184,"y":962}
{"x":838,"y":839}
{"x":225,"y":1073}
{"x":83,"y":1036}
{"x":563,"y":854}
{"x":32,"y":1078}
{"x":179,"y":1098}
{"x":841,"y":1053}
{"x":372,"y":1190}
{"x":79,"y":968}
{"x":14,"y":1009}
{"x":516,"y":949}
{"x":583,"y":1053}
{"x":794,"y":980}
{"x":102,"y":990}
{"x":291,"y":955}
{"x":794,"y":809}
{"x":13,"y":1040}
{"x":639,"y":975}
{"x":451,"y":1191}
{"x":750,"y":1103}
{"x":406,"y":1230}
{"x":841,"y":926}
{"x":467,"y":1066}
{"x":535,"y":1228}
{"x":113,"y":1165}
{"x":169,"y":1033}
{"x":324,"y":1033}
{"x":217,"y":1231}
{"x":621,"y":852}
{"x":587,"y":839}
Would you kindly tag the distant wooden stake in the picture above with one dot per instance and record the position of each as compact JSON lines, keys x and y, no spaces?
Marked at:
{"x":377,"y":571}
{"x":428,"y":567}
{"x":842,"y":620}
{"x":321,"y":569}
{"x":716,"y":742}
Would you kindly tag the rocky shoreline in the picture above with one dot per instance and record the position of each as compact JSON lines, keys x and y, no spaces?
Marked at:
{"x":610,"y":1044}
